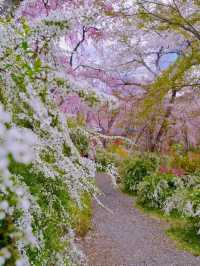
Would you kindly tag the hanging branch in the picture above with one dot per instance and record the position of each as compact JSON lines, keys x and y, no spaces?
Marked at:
{"x":84,"y":30}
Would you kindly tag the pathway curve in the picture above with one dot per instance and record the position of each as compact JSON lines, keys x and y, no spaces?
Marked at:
{"x":128,"y":237}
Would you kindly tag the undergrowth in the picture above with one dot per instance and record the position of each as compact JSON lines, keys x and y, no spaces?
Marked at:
{"x":185,"y":236}
{"x":54,"y":202}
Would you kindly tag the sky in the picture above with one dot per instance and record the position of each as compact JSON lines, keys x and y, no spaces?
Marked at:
{"x":167,"y":60}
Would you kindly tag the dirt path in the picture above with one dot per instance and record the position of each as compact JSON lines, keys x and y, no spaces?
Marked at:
{"x":128,"y":237}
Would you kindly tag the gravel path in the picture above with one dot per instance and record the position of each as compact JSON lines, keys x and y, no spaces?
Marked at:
{"x":128,"y":237}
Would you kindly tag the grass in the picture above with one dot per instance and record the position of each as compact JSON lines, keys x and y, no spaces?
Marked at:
{"x":82,"y":217}
{"x":185,"y":237}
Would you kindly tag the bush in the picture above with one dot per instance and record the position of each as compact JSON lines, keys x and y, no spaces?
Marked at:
{"x":155,"y":189}
{"x":81,"y":141}
{"x":104,"y":160}
{"x":191,"y":162}
{"x":52,"y":219}
{"x":118,"y":148}
{"x":134,"y":169}
{"x":82,"y":217}
{"x":188,"y":161}
{"x":186,"y":202}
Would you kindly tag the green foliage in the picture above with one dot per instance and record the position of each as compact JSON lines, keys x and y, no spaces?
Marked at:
{"x":90,"y":98}
{"x":188,"y":161}
{"x":82,"y":217}
{"x":29,"y":99}
{"x":191,"y":163}
{"x":184,"y":234}
{"x":52,"y":219}
{"x":167,"y":17}
{"x":104,"y":159}
{"x":174,"y":198}
{"x":81,"y":141}
{"x":77,"y":135}
{"x":66,"y":150}
{"x":8,"y":228}
{"x":60,"y":24}
{"x":72,"y":123}
{"x":155,"y":189}
{"x":48,"y":156}
{"x":153,"y":109}
{"x":186,"y":201}
{"x":135,"y":168}
{"x":186,"y":237}
{"x":172,"y":78}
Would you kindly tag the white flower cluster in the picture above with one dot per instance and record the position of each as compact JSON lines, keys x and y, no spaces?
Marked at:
{"x":19,"y":143}
{"x":31,"y":103}
{"x":113,"y":173}
{"x":185,"y":200}
{"x":38,"y":110}
{"x":15,"y":141}
{"x":90,"y":166}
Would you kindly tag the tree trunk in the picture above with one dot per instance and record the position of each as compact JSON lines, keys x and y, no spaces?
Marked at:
{"x":163,"y":126}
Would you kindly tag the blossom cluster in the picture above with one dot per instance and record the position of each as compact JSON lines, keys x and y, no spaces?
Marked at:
{"x":27,"y":93}
{"x":18,"y":143}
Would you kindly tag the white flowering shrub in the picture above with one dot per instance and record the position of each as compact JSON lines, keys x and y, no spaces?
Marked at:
{"x":58,"y":178}
{"x":104,"y":159}
{"x":186,"y":200}
{"x":172,"y":194}
{"x":155,"y":189}
{"x":135,"y":168}
{"x":113,"y":173}
{"x":14,"y":197}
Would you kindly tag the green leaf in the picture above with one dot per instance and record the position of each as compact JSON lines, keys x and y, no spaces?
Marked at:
{"x":26,"y":27}
{"x":37,"y":65}
{"x":24,"y":45}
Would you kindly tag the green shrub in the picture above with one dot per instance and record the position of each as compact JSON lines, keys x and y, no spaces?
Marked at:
{"x":104,"y":159}
{"x":189,"y":181}
{"x":192,"y":207}
{"x":52,"y":220}
{"x":52,"y":198}
{"x":9,"y":227}
{"x":48,"y":156}
{"x":191,"y":162}
{"x":155,"y":189}
{"x":81,"y":218}
{"x":188,"y":161}
{"x":134,"y":169}
{"x":187,"y":203}
{"x":81,"y":141}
